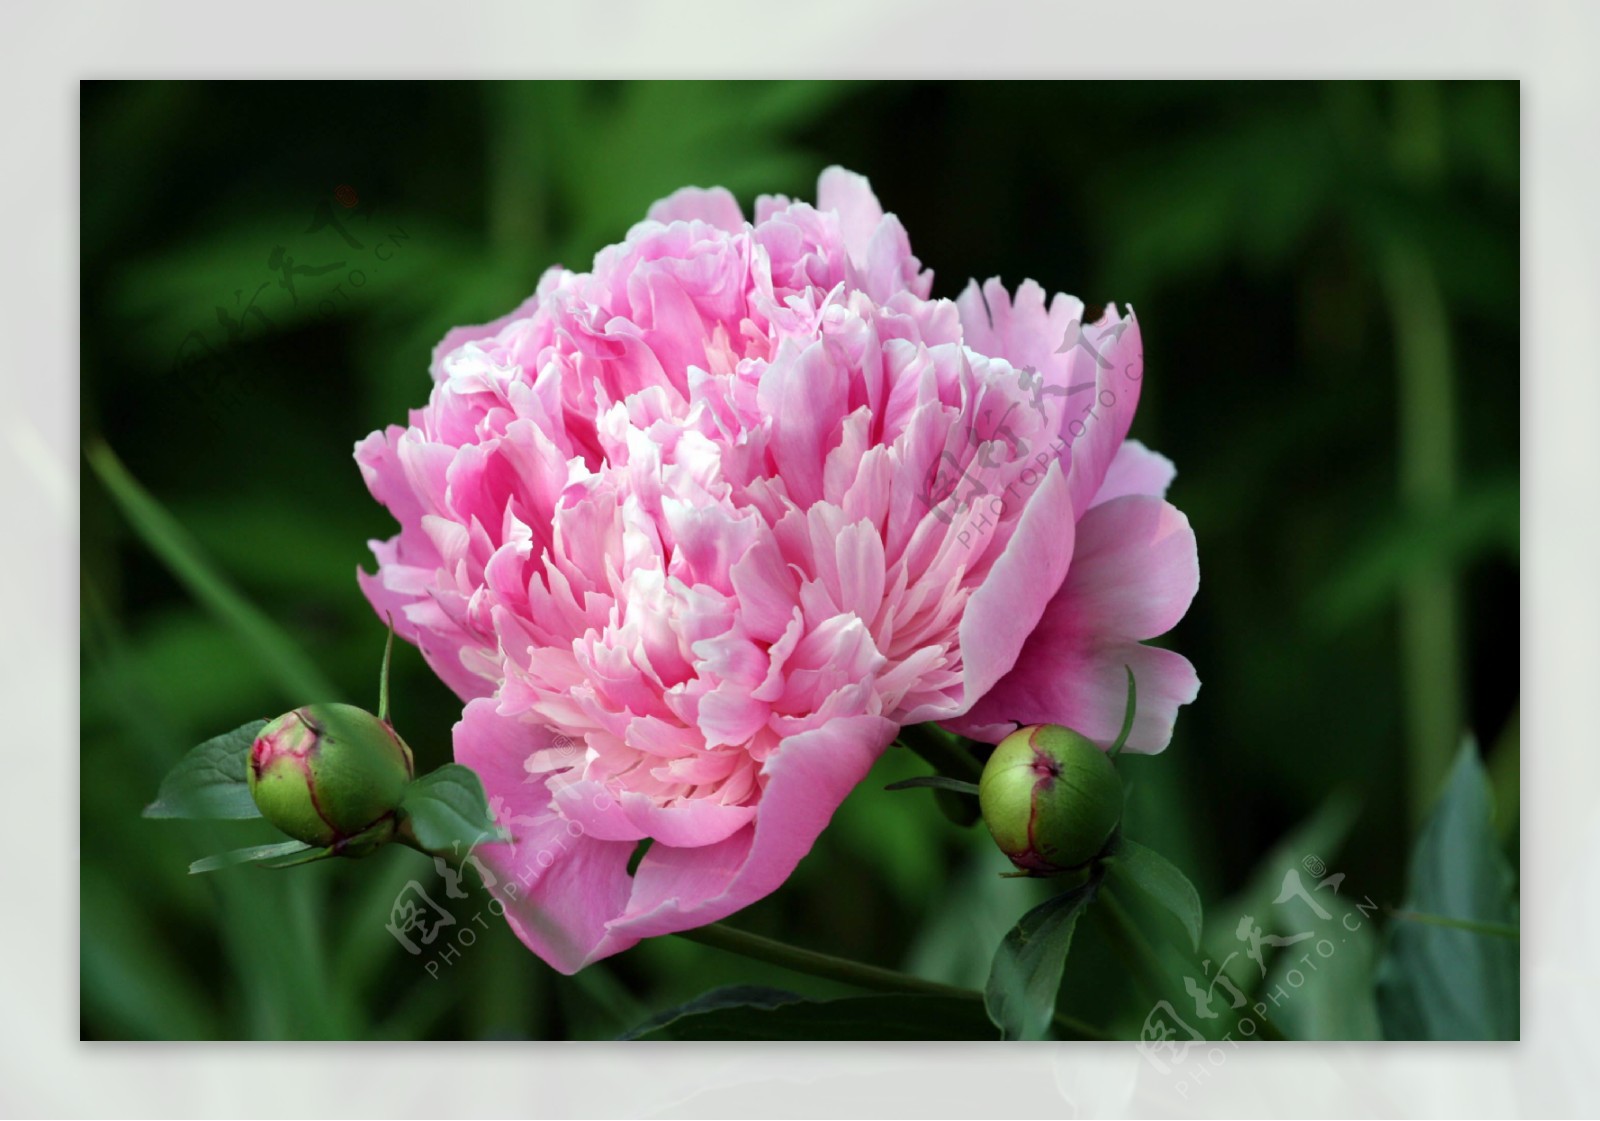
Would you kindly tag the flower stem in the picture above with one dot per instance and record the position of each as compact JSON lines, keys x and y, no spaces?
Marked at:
{"x":859,"y":974}
{"x":1472,"y":926}
{"x":1430,"y":627}
{"x":1136,"y":953}
{"x":942,"y":751}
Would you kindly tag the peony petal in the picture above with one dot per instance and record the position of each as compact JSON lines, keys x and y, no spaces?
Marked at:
{"x":1136,"y":470}
{"x":458,"y":337}
{"x":716,"y":206}
{"x":1111,"y":356}
{"x":559,"y":888}
{"x":806,"y":779}
{"x":1133,"y":576}
{"x":850,"y":196}
{"x":1135,"y":569}
{"x":1092,"y":372}
{"x":1084,"y":686}
{"x":1006,"y":609}
{"x":689,"y":823}
{"x":804,"y":392}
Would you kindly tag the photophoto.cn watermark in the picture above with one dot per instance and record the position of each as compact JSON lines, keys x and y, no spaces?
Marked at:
{"x":1170,"y":1039}
{"x":983,"y":506}
{"x":437,"y":928}
{"x":344,"y":249}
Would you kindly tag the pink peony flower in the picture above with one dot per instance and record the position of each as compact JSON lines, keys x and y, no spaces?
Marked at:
{"x":693,"y":534}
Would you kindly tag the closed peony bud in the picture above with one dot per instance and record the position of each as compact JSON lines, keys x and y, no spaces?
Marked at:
{"x":330,"y":774}
{"x":1051,"y":799}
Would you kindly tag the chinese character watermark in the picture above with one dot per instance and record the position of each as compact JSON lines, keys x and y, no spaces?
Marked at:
{"x":1169,"y":1034}
{"x":206,"y":367}
{"x":438,"y":934}
{"x":983,"y":501}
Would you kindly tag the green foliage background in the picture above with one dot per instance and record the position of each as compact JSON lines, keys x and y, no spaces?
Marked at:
{"x":1327,"y":281}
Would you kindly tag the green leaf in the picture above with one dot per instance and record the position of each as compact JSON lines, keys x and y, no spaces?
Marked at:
{"x":1160,"y":879}
{"x":938,"y":782}
{"x":967,"y":915}
{"x":447,"y":808}
{"x":754,"y":997}
{"x":1333,"y":1001}
{"x":1025,"y":975}
{"x":135,"y":979}
{"x":748,"y":1012}
{"x":1322,"y":836}
{"x":169,"y":541}
{"x":1443,"y":982}
{"x":260,"y":854}
{"x":209,"y":782}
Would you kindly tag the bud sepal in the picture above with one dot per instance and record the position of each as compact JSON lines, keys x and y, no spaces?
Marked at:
{"x":337,"y":779}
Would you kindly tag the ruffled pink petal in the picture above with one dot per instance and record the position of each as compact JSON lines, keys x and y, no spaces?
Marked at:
{"x":806,"y":779}
{"x":715,"y":205}
{"x":1005,"y":610}
{"x":628,"y":816}
{"x":1136,"y":470}
{"x":1082,"y":685}
{"x":850,"y":196}
{"x":458,"y":337}
{"x":559,"y":887}
{"x":1134,"y":573}
{"x":1092,"y":371}
{"x":1135,"y":570}
{"x":1112,"y":356}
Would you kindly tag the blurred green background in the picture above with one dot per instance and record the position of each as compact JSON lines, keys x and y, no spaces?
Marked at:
{"x":1327,"y":281}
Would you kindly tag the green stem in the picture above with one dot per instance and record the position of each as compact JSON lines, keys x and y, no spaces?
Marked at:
{"x":1474,"y":926}
{"x":1505,"y":775}
{"x":521,"y":120}
{"x":1429,"y":619}
{"x":941,"y":751}
{"x":1130,"y":945}
{"x":859,"y":974}
{"x":173,"y":545}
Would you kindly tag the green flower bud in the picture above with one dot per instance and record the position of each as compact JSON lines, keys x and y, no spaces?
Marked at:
{"x":330,"y":774}
{"x":1051,"y":799}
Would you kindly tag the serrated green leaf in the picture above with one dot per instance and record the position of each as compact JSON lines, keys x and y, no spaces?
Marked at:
{"x":1160,"y":879}
{"x":745,"y":1012}
{"x":257,"y":853}
{"x":1025,"y":975}
{"x":210,"y":782}
{"x":1442,"y":982}
{"x":446,"y":809}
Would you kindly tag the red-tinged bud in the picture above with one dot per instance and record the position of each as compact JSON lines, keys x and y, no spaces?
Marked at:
{"x":1051,"y":798}
{"x":327,"y":774}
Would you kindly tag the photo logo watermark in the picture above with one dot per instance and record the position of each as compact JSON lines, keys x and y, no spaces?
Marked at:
{"x":1167,"y":1038}
{"x":206,"y":367}
{"x":438,"y":932}
{"x":984,"y":506}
